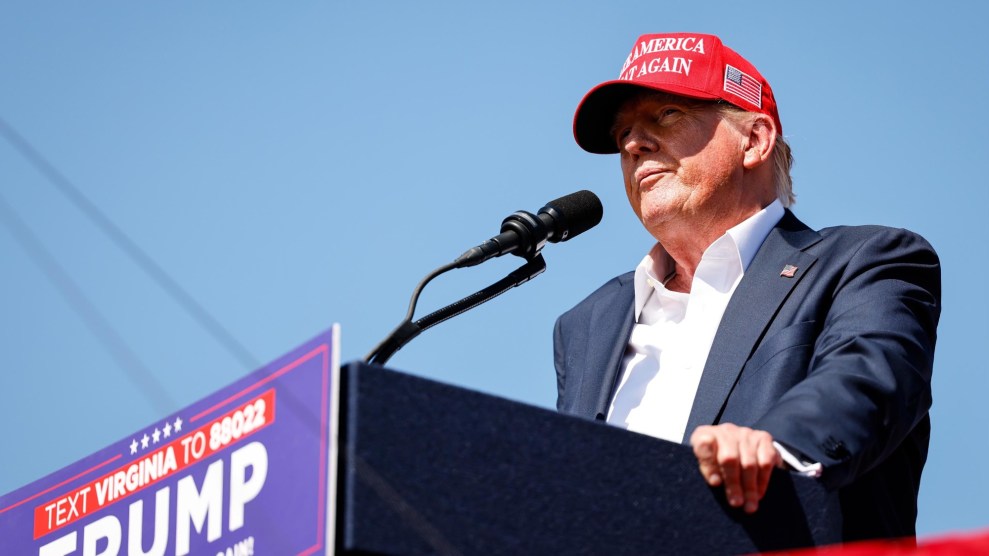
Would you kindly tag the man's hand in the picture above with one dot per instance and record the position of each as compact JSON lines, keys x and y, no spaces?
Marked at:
{"x":740,"y":458}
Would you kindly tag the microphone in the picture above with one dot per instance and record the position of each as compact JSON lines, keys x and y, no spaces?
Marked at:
{"x":524,"y":234}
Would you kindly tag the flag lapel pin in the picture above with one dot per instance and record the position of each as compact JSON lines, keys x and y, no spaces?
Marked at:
{"x":788,"y":271}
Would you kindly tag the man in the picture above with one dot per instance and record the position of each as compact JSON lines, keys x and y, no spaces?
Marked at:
{"x":757,"y":340}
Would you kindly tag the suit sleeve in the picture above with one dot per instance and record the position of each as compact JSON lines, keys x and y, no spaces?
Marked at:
{"x":869,"y":380}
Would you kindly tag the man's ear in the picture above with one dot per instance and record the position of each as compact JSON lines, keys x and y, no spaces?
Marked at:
{"x":760,"y":141}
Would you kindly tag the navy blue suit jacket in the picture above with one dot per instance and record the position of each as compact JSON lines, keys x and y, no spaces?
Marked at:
{"x":834,"y":362}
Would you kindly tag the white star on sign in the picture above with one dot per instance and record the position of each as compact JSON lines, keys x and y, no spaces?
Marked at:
{"x":133,"y":447}
{"x":178,"y":424}
{"x":156,"y":435}
{"x":144,"y":441}
{"x":167,"y":429}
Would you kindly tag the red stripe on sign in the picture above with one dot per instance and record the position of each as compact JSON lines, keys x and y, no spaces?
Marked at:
{"x":182,"y":453}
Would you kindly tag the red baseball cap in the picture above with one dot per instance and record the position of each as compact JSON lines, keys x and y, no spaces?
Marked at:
{"x":686,"y":64}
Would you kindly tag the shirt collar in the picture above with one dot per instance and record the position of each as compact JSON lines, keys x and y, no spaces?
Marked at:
{"x":751,"y":232}
{"x":747,"y":236}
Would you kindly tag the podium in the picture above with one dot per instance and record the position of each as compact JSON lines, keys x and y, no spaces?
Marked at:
{"x":429,"y":468}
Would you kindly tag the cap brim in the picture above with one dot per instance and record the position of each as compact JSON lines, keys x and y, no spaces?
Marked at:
{"x":596,"y":112}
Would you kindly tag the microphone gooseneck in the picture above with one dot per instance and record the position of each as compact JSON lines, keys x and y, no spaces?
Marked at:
{"x":523,"y":234}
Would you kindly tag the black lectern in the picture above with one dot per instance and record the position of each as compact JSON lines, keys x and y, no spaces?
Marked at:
{"x":428,"y":468}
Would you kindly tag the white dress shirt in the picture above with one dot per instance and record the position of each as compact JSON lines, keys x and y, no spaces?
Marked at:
{"x":673,"y":331}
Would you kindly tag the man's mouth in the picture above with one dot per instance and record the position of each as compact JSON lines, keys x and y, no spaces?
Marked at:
{"x":651,"y":173}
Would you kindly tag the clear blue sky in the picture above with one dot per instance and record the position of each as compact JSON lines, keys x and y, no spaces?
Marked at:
{"x":295,"y":164}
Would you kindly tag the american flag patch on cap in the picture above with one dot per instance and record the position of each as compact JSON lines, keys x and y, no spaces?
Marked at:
{"x":737,"y":82}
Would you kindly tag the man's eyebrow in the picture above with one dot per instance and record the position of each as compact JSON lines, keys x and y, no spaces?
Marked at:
{"x":614,"y":128}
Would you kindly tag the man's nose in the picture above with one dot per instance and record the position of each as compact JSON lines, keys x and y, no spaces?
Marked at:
{"x":639,"y":141}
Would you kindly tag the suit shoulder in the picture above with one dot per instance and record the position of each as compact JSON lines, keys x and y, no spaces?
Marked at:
{"x":876,"y":234}
{"x":607,"y":290}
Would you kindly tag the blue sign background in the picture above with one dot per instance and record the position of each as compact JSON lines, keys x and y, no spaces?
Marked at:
{"x":289,"y":514}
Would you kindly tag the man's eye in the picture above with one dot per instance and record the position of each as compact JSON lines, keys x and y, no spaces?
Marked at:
{"x":668,"y":112}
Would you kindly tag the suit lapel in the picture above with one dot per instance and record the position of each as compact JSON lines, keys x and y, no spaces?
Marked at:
{"x":756,"y":300}
{"x":611,"y":328}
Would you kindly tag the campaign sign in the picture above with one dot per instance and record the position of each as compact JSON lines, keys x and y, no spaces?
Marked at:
{"x":247,"y":470}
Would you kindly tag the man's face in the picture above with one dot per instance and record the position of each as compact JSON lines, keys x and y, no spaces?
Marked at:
{"x":681,"y":160}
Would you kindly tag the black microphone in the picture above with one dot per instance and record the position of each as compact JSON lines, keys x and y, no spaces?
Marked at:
{"x":524,"y":234}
